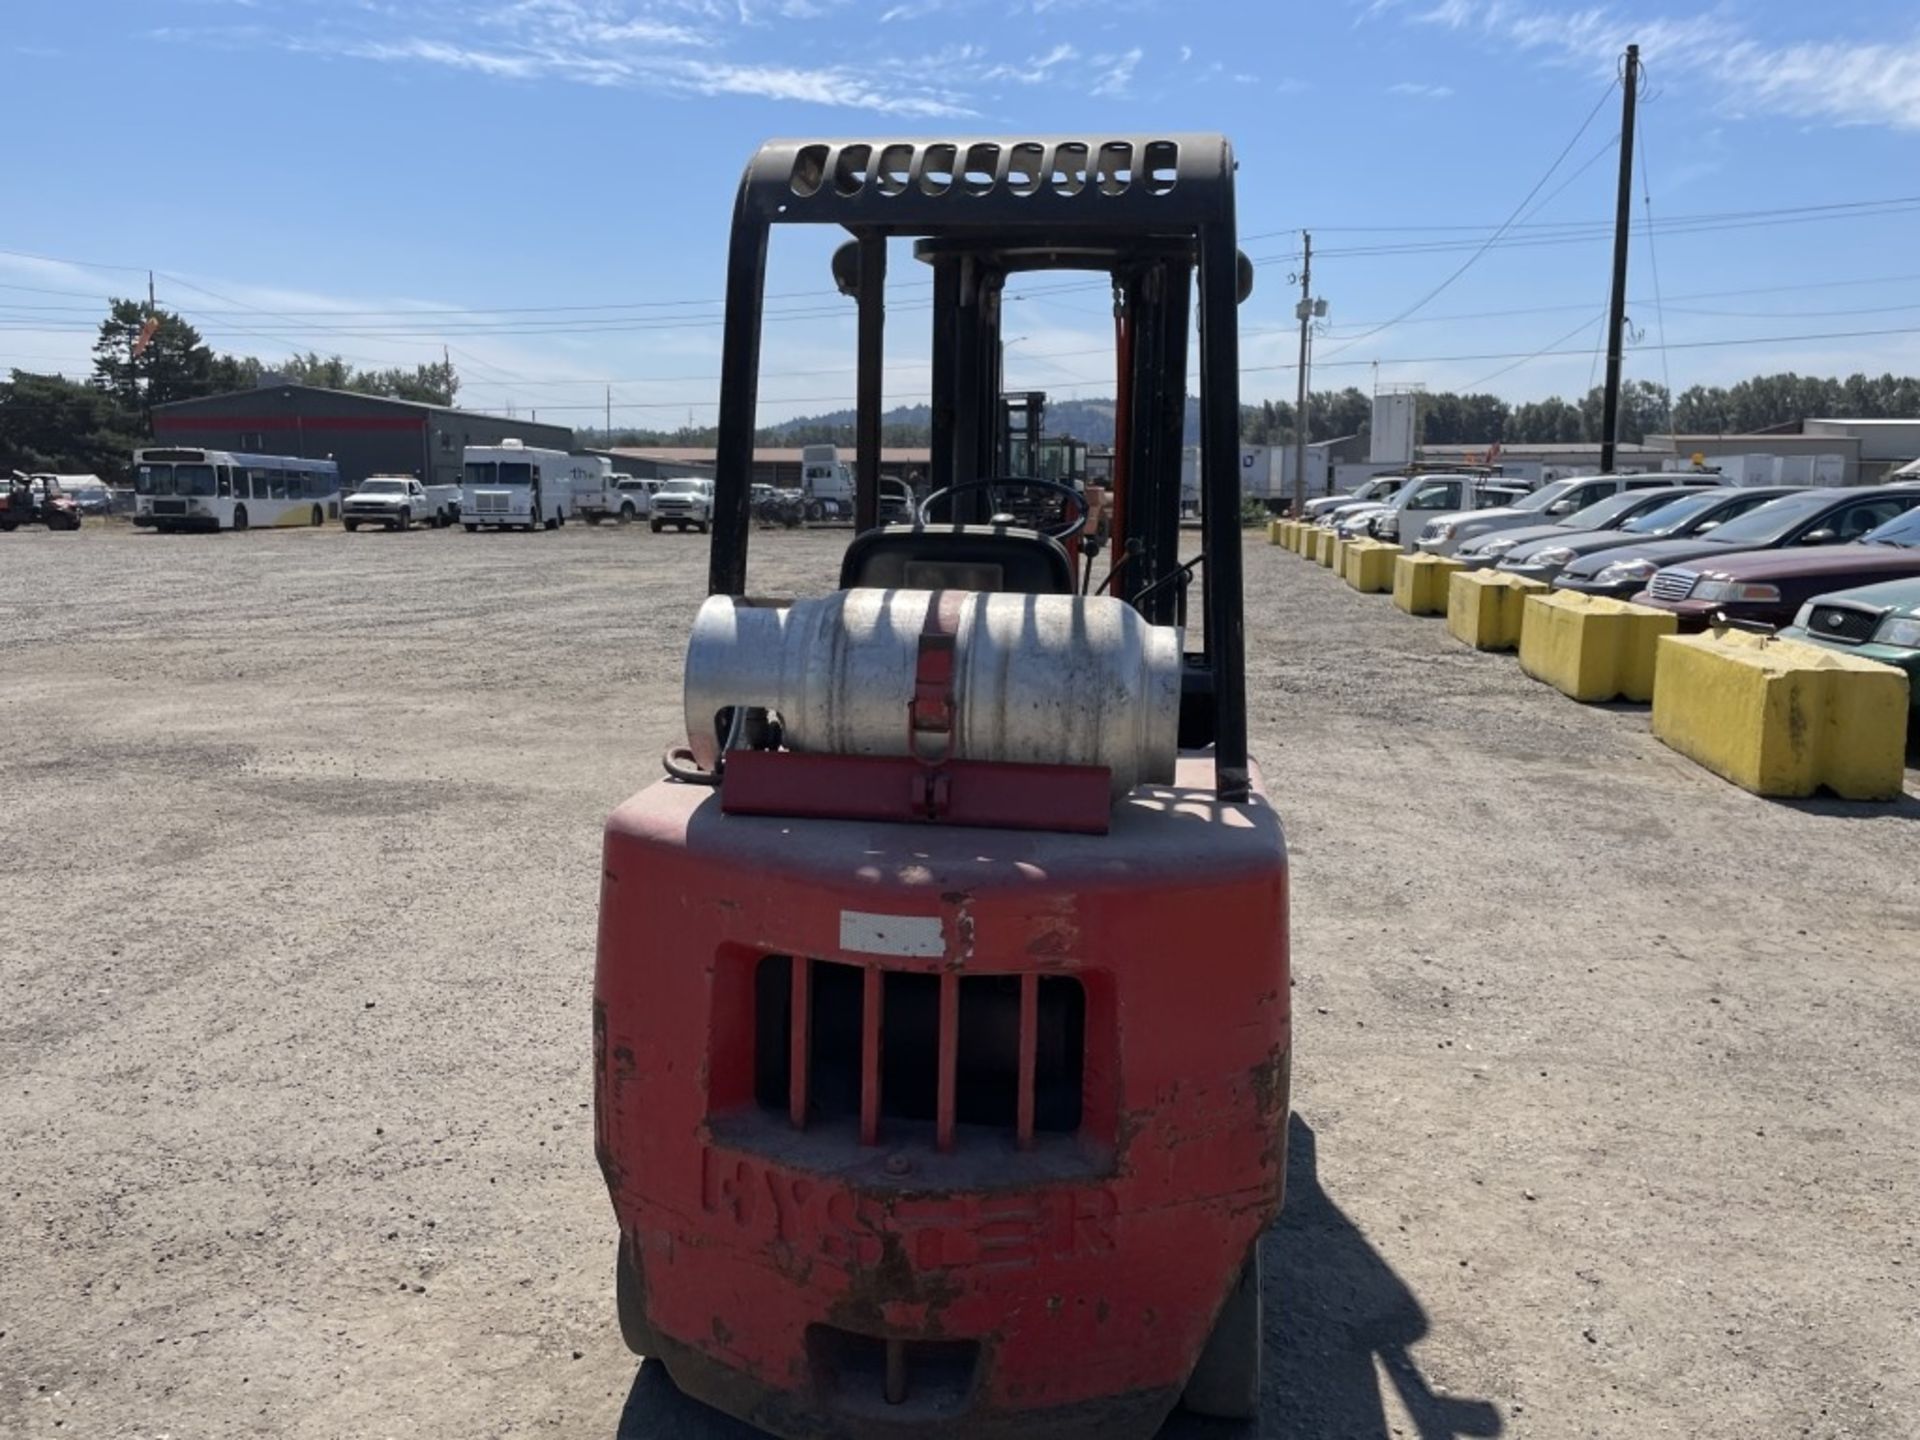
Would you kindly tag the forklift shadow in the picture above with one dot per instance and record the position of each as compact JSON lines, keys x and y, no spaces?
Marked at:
{"x":1337,"y":1318}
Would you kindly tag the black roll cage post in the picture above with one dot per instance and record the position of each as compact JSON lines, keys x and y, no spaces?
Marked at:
{"x":1153,"y":213}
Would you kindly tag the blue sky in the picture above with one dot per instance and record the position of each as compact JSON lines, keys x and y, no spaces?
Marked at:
{"x":544,"y":186}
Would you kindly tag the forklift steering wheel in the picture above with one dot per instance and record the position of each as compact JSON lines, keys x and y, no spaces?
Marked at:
{"x":1065,"y":530}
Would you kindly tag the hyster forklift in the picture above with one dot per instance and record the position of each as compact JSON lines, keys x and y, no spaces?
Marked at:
{"x":941,"y":1016}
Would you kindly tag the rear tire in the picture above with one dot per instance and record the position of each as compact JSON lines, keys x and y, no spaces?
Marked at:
{"x":1225,"y":1385}
{"x":816,"y":511}
{"x":316,"y":519}
{"x":552,"y":522}
{"x":626,"y":514}
{"x":239,"y":517}
{"x":627,"y":1300}
{"x":702,"y":528}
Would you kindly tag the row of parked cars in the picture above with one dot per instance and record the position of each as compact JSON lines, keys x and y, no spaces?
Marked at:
{"x":1838,"y":566}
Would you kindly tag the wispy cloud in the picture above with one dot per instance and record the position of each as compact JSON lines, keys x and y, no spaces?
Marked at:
{"x":1833,"y":81}
{"x":754,"y":48}
{"x":1035,"y":69}
{"x":1113,"y":74}
{"x":1423,"y":92}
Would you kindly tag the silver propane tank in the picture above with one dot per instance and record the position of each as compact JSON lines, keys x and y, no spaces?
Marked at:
{"x":1037,"y":679}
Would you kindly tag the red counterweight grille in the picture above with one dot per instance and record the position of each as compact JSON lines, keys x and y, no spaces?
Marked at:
{"x":903,"y":1049}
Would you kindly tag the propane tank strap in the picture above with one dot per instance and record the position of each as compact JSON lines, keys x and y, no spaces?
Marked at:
{"x":930,"y":712}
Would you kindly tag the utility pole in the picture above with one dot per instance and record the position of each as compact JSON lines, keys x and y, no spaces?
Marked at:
{"x":151,"y":307}
{"x":1305,"y":312}
{"x":1309,"y":310}
{"x":1622,"y":222}
{"x":609,"y":417}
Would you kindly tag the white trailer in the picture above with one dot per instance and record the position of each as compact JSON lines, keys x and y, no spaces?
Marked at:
{"x":520,"y":486}
{"x":826,"y":483}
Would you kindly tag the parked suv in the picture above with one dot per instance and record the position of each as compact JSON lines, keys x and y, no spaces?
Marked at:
{"x":682,"y":503}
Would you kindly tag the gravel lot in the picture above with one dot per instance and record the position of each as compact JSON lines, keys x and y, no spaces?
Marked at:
{"x":1607,"y":1076}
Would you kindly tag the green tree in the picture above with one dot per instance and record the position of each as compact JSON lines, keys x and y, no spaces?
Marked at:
{"x":431,"y":384}
{"x":146,"y":357}
{"x":48,"y":422}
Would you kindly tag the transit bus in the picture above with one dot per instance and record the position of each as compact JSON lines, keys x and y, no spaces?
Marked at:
{"x":185,"y":489}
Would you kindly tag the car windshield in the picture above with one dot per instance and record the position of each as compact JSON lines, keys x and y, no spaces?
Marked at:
{"x":680,"y":487}
{"x":1771,"y":523}
{"x":1902,"y":530}
{"x":1544,"y":496}
{"x":384,"y":487}
{"x":1601,"y":513}
{"x":1667,"y":518}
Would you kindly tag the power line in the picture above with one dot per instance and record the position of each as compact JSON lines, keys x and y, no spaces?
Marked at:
{"x":1653,"y":264}
{"x":1549,"y":348}
{"x":1674,"y":345}
{"x":1468,"y":263}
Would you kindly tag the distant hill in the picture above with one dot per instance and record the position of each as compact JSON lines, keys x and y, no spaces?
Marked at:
{"x":1088,"y":420}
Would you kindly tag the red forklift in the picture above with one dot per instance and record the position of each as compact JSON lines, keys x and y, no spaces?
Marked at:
{"x":941,"y":1015}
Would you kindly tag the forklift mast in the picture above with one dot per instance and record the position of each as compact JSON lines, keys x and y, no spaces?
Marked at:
{"x":1153,"y":213}
{"x":1022,"y":421}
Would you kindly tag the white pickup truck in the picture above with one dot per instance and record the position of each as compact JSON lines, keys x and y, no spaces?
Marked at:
{"x":399,"y":502}
{"x":682,"y":503}
{"x":619,"y":498}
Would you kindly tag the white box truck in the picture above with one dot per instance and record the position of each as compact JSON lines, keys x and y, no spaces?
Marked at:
{"x":516,"y":485}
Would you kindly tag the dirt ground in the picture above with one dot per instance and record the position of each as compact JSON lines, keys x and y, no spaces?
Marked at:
{"x":1607,"y":1074}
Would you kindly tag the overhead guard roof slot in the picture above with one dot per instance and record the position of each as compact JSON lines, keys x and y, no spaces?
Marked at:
{"x":902,"y":186}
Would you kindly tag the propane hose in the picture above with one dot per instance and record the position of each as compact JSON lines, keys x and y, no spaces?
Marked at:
{"x":680,"y":765}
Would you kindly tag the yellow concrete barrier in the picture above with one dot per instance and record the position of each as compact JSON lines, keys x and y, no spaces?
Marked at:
{"x":1276,"y":532}
{"x":1368,"y":566}
{"x":1592,"y":648}
{"x":1778,"y":717}
{"x":1307,"y":539}
{"x":1486,"y":608}
{"x":1420,"y":582}
{"x":1326,"y":545}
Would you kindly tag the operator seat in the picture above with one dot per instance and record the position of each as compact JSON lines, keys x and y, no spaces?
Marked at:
{"x":986,"y":558}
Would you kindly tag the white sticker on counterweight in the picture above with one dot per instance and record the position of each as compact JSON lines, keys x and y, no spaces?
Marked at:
{"x":863,"y":933}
